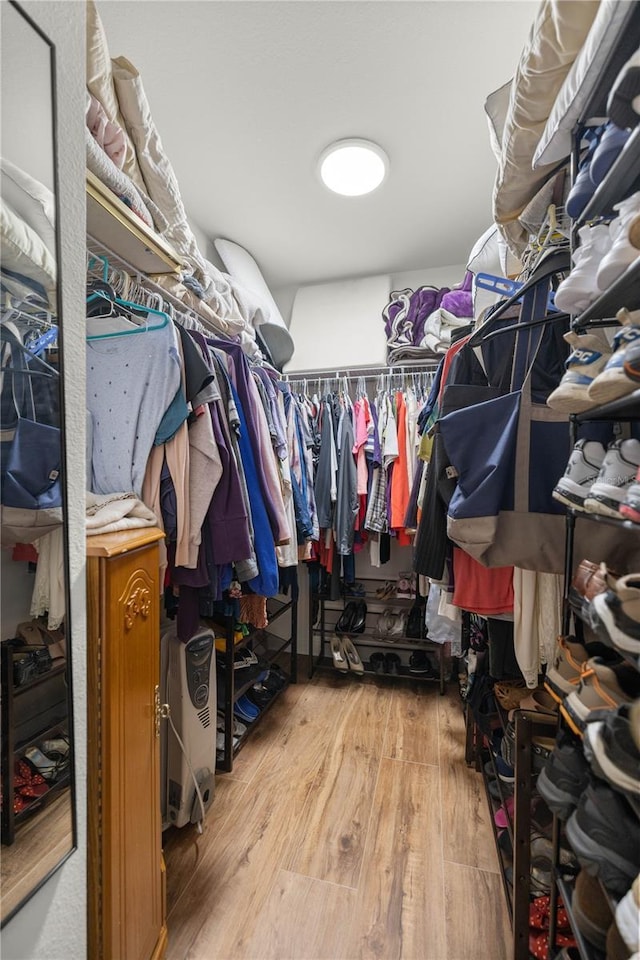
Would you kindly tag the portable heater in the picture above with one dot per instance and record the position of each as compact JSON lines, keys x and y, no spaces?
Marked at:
{"x":189,"y":687}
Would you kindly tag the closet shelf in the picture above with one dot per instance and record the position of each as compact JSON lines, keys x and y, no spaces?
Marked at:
{"x":326,"y":663}
{"x":610,"y":521}
{"x":370,"y":640}
{"x":586,"y":950}
{"x":625,"y":292}
{"x":42,"y":678}
{"x":372,"y":599}
{"x":491,"y":804}
{"x":221,"y":767}
{"x":111,"y":222}
{"x":53,"y":791}
{"x":46,"y":734}
{"x":281,"y":608}
{"x":618,"y":183}
{"x":625,"y":408}
{"x":624,"y":44}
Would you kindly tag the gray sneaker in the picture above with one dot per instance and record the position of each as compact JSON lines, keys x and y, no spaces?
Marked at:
{"x":583,"y":469}
{"x":612,"y":752}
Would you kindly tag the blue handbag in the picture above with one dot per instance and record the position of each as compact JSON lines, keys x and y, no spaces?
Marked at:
{"x":508,"y":453}
{"x":31,"y":447}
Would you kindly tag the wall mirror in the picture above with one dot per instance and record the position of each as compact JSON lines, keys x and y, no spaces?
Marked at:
{"x":37,"y":795}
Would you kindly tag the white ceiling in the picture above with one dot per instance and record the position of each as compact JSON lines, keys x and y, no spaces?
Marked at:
{"x":247,"y":93}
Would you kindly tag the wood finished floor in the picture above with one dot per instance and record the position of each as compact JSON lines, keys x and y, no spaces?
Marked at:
{"x":350,"y":828}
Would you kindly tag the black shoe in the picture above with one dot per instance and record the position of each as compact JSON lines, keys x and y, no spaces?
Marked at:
{"x":603,"y":833}
{"x":392,"y":663}
{"x":376,"y":661}
{"x":346,"y":617}
{"x":419,"y":663}
{"x":565,"y":776}
{"x":359,"y":619}
{"x":612,"y":752}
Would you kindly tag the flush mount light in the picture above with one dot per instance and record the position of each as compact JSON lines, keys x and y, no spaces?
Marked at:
{"x":353,"y":167}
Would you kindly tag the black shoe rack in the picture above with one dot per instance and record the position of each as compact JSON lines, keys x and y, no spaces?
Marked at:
{"x":324,"y":614}
{"x":267,"y":647}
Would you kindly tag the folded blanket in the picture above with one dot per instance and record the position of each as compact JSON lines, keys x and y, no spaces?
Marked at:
{"x":108,"y":512}
{"x":105,"y":132}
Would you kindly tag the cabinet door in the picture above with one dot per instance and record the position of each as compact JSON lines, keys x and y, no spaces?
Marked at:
{"x":131,"y":827}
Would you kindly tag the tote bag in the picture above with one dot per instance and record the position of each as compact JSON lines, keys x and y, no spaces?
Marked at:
{"x":508,"y":453}
{"x":30,"y":447}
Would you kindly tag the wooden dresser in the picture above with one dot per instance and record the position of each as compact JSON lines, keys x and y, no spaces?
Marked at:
{"x":127,"y":915}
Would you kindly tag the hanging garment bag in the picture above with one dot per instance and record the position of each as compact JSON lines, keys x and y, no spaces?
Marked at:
{"x":508,"y":453}
{"x":31,"y":447}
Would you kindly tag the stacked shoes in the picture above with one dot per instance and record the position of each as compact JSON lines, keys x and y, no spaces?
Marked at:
{"x":597,"y":373}
{"x":598,"y":481}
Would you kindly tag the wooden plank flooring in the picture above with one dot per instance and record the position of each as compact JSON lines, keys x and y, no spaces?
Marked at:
{"x":350,"y":828}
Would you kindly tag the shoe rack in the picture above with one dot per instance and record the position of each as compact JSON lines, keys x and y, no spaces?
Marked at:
{"x":267,"y":647}
{"x":324,"y":627}
{"x":31,"y":712}
{"x":620,"y":182}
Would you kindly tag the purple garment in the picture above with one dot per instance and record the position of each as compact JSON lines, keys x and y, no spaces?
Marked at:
{"x":249,"y":397}
{"x":429,"y":300}
{"x":377,"y":449}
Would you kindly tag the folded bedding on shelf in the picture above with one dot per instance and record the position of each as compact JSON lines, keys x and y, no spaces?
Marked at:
{"x":119,"y":183}
{"x":555,"y":39}
{"x":107,"y":134}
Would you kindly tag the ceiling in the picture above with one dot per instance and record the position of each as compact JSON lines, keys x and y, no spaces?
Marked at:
{"x":247,"y":93}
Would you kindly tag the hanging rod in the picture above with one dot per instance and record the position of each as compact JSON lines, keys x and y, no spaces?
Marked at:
{"x":356,"y":372}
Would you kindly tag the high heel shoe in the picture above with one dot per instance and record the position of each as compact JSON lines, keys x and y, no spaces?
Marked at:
{"x":359,"y":618}
{"x":353,"y":657}
{"x":346,"y":618}
{"x":337,"y":652}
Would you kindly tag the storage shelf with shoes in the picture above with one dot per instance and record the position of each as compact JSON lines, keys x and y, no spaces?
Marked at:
{"x":618,"y":183}
{"x":346,"y":625}
{"x":248,"y":699}
{"x":623,"y":292}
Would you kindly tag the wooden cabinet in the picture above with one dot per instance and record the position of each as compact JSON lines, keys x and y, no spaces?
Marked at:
{"x":126,"y":874}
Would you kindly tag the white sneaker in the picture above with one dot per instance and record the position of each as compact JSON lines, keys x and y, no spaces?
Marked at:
{"x":582,"y":471}
{"x":622,"y":251}
{"x":580,"y":289}
{"x":612,"y":382}
{"x":590,"y":354}
{"x":617,"y":473}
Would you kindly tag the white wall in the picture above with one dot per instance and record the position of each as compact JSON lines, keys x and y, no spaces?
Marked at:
{"x":437,"y":276}
{"x":52,"y":925}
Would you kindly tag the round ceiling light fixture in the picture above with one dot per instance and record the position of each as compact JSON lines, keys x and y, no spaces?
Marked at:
{"x":353,"y":167}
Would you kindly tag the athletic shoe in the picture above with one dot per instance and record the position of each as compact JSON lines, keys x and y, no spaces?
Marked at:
{"x":583,"y":469}
{"x":612,"y":381}
{"x":622,"y":251}
{"x":618,"y":472}
{"x":623,"y":105}
{"x":591,"y":352}
{"x":564,"y":777}
{"x":579,"y":289}
{"x":630,"y":509}
{"x":618,"y":609}
{"x":563,"y":675}
{"x":601,"y":688}
{"x":591,"y":911}
{"x":631,"y":362}
{"x":600,"y":831}
{"x":610,"y":146}
{"x":612,"y":752}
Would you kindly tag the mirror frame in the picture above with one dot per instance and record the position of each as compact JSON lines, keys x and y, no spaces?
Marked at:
{"x":63,"y":442}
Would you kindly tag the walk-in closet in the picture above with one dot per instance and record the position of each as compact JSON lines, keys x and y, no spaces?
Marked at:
{"x":320,"y":480}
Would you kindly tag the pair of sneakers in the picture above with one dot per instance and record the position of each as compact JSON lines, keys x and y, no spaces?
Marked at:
{"x":602,"y":481}
{"x":597,"y":373}
{"x":605,"y":252}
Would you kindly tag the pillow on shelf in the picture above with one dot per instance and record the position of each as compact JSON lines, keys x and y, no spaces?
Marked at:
{"x":557,"y":137}
{"x":31,"y":200}
{"x":242,"y":267}
{"x":24,"y":253}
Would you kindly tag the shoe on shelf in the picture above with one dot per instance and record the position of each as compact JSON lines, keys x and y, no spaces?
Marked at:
{"x":376,"y":661}
{"x":617,"y":473}
{"x":623,"y":105}
{"x":610,"y":146}
{"x":245,"y":710}
{"x":631,"y":362}
{"x":583,"y":469}
{"x":563,"y":675}
{"x":537,"y":701}
{"x":358,"y":621}
{"x":630,"y":507}
{"x":352,"y":656}
{"x":583,"y":188}
{"x":398,"y":628}
{"x":623,"y":251}
{"x":406,"y":587}
{"x":564,"y":777}
{"x":354,"y":589}
{"x":618,"y":610}
{"x":612,"y":752}
{"x":387,"y":591}
{"x":599,"y":832}
{"x":392,"y":663}
{"x":601,"y":688}
{"x":590,"y":353}
{"x":420,"y":664}
{"x":579,"y":289}
{"x":613,"y":382}
{"x":338,"y":655}
{"x":628,"y":917}
{"x":591,"y":910}
{"x":45,"y":766}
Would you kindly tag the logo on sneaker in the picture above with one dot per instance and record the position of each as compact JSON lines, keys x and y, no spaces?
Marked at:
{"x":583,"y":357}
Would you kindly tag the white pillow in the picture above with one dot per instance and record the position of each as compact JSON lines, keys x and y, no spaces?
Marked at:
{"x":490,"y":254}
{"x":496,"y":107}
{"x":23,"y":252}
{"x":31,"y":200}
{"x":242,"y":267}
{"x":557,"y":137}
